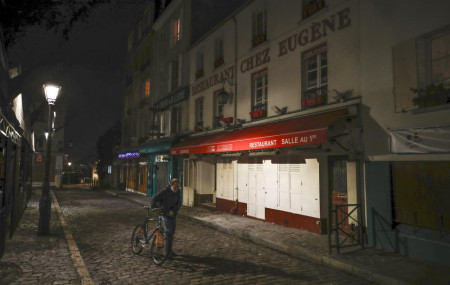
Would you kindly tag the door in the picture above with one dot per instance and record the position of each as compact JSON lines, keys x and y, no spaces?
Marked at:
{"x":271,"y":184}
{"x":162,"y":176}
{"x":225,"y":181}
{"x":339,"y":197}
{"x":242,"y":182}
{"x":256,"y":191}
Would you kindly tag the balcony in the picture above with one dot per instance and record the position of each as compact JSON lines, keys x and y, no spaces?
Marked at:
{"x":315,"y":97}
{"x":259,"y":111}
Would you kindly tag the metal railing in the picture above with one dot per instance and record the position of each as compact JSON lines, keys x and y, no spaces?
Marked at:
{"x":346,"y":230}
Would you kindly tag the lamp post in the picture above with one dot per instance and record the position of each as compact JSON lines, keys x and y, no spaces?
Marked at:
{"x":51,"y":93}
{"x":70,"y":172}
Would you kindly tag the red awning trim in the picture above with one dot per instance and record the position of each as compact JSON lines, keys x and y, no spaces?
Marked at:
{"x":301,"y":131}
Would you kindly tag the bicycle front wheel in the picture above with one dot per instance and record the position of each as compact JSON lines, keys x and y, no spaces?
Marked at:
{"x":159,"y":248}
{"x":138,"y":239}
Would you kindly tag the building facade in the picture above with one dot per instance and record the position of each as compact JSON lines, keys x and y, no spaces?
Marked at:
{"x":405,"y":83}
{"x":272,"y":149}
{"x":328,"y":116}
{"x":15,"y":153}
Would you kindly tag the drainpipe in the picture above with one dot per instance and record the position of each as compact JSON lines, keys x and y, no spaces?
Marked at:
{"x":235,"y":67}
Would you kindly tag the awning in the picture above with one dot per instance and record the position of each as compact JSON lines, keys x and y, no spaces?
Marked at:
{"x":300,"y":131}
{"x":157,"y":146}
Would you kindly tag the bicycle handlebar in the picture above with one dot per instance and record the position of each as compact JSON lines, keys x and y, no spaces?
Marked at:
{"x":153,"y":209}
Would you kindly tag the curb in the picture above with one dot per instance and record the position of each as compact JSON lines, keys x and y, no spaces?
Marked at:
{"x":75,"y":254}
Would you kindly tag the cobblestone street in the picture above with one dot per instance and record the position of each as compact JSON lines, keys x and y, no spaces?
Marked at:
{"x":102,"y":227}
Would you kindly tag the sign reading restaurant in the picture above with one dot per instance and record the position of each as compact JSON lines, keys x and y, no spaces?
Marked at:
{"x":217,"y":78}
{"x":283,"y":140}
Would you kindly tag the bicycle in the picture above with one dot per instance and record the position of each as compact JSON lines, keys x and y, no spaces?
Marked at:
{"x":143,"y":233}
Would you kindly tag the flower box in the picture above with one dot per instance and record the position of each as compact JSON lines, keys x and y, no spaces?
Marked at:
{"x":258,"y":114}
{"x":314,"y":101}
{"x":218,"y":62}
{"x":258,"y":39}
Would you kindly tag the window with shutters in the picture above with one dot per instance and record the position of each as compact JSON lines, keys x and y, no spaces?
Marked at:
{"x":422,"y":72}
{"x":315,"y":76}
{"x":260,"y":82}
{"x":218,"y":109}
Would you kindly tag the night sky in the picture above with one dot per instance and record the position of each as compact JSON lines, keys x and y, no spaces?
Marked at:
{"x":88,"y":66}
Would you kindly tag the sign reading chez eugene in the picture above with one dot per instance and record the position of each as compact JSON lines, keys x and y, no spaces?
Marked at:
{"x":315,"y":31}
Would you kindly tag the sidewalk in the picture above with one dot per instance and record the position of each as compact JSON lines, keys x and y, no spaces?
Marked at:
{"x":33,"y":259}
{"x":372,"y":264}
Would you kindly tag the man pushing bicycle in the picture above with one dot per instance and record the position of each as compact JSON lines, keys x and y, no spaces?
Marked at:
{"x":169,"y":200}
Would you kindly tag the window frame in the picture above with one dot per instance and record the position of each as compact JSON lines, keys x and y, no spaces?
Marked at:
{"x":431,"y":94}
{"x":200,"y":65}
{"x":175,"y":120}
{"x":311,"y":7}
{"x":218,"y":109}
{"x":218,"y":52}
{"x":259,"y":106}
{"x":199,"y":112}
{"x":318,"y":94}
{"x":259,"y":30}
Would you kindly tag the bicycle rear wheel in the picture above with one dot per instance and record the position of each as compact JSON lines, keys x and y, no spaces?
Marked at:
{"x":138,"y":239}
{"x":159,"y":248}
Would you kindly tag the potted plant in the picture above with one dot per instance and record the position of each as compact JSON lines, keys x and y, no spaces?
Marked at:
{"x":431,"y":95}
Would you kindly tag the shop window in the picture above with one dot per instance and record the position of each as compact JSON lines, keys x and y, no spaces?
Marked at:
{"x":259,"y":28}
{"x":198,"y":114}
{"x":259,"y":99}
{"x":315,"y":76}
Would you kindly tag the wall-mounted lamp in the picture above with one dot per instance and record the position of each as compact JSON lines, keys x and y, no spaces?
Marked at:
{"x":223,"y":95}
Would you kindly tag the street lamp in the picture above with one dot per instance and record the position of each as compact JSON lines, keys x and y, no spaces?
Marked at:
{"x":51,"y":92}
{"x":70,"y":172}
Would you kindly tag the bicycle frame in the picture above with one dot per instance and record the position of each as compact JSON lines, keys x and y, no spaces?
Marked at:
{"x":146,"y":223}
